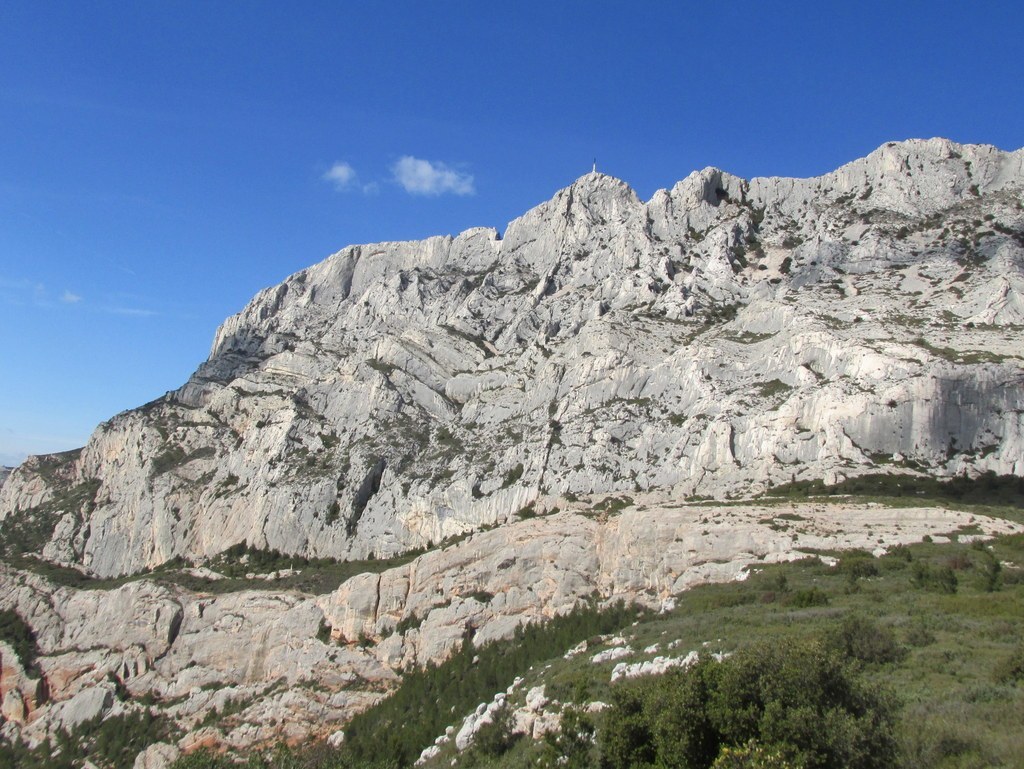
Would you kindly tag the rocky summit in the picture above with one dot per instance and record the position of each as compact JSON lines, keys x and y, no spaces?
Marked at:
{"x":572,"y":386}
{"x":725,"y":336}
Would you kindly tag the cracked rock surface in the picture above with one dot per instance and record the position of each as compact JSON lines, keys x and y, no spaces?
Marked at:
{"x":722,"y":337}
{"x":253,"y":666}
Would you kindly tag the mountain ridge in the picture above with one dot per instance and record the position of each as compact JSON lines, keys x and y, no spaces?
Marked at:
{"x":397,"y":394}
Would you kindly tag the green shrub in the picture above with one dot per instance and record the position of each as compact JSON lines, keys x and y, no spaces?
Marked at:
{"x":861,"y":639}
{"x":1011,"y":669}
{"x":401,"y":725}
{"x":858,"y":567}
{"x":800,"y":701}
{"x":805,"y":599}
{"x":495,"y":739}
{"x":512,"y":476}
{"x":573,"y":745}
{"x":21,"y":638}
{"x":919,"y":634}
{"x":939,"y":579}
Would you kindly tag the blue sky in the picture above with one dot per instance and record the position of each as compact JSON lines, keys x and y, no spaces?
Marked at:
{"x":160,"y":162}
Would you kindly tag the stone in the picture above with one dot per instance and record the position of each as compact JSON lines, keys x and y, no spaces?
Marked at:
{"x":159,"y":755}
{"x":87,"y":705}
{"x":723,"y":337}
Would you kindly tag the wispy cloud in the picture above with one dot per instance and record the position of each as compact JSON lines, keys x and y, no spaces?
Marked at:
{"x":28,"y":293}
{"x":342,"y":175}
{"x":21,"y":292}
{"x":423,"y":177}
{"x":136,"y":312}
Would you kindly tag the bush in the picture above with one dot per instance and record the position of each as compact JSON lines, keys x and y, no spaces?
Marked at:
{"x":805,"y":599}
{"x":16,"y":632}
{"x":940,"y":579}
{"x":398,"y":727}
{"x":1011,"y":669}
{"x":801,"y":705}
{"x":919,"y":634}
{"x":571,"y":746}
{"x":495,"y":738}
{"x":861,"y":639}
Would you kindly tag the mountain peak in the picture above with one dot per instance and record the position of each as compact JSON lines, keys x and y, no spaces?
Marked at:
{"x":327,"y":390}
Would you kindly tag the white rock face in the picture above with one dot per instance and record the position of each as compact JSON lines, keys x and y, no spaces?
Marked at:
{"x":656,"y":666}
{"x":157,"y":756}
{"x":722,"y":337}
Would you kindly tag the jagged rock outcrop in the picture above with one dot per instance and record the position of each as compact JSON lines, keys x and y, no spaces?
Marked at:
{"x":249,"y":667}
{"x":725,"y":336}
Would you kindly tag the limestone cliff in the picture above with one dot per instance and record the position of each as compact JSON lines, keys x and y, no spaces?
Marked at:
{"x":725,"y":336}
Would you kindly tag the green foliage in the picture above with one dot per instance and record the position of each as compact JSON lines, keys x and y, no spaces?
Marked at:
{"x":1011,"y":669}
{"x":110,"y":742}
{"x":316,"y":575}
{"x":429,"y":699}
{"x":495,"y":739}
{"x":858,"y":566}
{"x":573,"y":746}
{"x":409,"y":622}
{"x":753,"y":756}
{"x":333,"y":512}
{"x":512,"y":476}
{"x":527,"y":511}
{"x":27,"y":531}
{"x":174,"y":456}
{"x":774,"y":387}
{"x":16,"y":632}
{"x":805,"y":599}
{"x":939,"y":579}
{"x":803,"y":704}
{"x":204,"y":759}
{"x":986,"y":489}
{"x":859,"y":638}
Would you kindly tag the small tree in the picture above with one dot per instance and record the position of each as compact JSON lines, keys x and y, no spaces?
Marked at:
{"x":495,"y":738}
{"x":571,"y":746}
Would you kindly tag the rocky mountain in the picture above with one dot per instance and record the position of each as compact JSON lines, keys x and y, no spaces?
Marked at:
{"x":586,"y":392}
{"x":725,"y":336}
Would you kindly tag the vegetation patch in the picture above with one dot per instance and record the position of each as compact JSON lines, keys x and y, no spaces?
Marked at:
{"x":28,"y":531}
{"x":21,"y":638}
{"x":987,"y":489}
{"x":108,"y":742}
{"x":915,"y":677}
{"x":774,"y":387}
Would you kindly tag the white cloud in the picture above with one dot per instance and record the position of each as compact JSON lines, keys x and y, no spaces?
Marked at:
{"x":341,"y":175}
{"x":421,"y":177}
{"x":69,"y":298}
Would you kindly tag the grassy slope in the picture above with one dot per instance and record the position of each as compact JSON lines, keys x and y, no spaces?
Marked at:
{"x":956,"y":712}
{"x":958,"y":707}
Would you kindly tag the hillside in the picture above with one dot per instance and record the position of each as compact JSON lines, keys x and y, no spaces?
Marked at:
{"x":415,"y":455}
